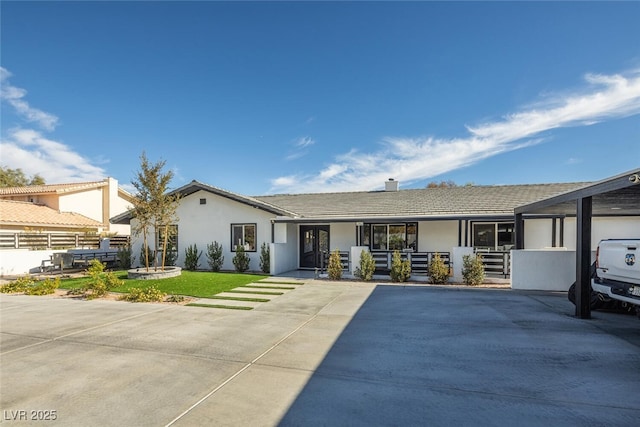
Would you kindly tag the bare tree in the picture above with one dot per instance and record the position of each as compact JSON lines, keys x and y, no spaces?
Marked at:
{"x":447,"y":184}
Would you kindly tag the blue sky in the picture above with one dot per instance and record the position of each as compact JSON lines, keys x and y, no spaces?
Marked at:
{"x":288,"y":97}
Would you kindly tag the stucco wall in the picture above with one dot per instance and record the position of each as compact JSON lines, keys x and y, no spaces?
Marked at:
{"x":284,"y":257}
{"x":437,"y":236}
{"x":538,"y":233}
{"x":602,"y":228}
{"x":544,"y":270}
{"x":23,"y":261}
{"x":87,"y":203}
{"x":204,"y":224}
{"x":342,"y":235}
{"x":285,"y":233}
{"x":116,"y":205}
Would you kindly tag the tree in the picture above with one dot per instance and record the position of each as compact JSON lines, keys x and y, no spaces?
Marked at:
{"x":442,"y":184}
{"x":152,"y":205}
{"x":16,"y":178}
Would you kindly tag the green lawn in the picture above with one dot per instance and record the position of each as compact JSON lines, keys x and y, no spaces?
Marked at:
{"x":201,"y":284}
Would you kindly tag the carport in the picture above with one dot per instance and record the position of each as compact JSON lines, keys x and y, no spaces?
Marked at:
{"x":611,"y":197}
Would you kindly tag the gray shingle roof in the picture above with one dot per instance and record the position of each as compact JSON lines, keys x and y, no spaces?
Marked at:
{"x":426,"y":202}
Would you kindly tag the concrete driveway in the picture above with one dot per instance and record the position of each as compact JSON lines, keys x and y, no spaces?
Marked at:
{"x":323,"y":354}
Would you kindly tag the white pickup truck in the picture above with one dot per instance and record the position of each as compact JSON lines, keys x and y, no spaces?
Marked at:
{"x":618,"y":271}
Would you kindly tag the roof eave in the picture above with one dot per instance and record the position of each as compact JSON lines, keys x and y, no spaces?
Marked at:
{"x":398,"y":218}
{"x":618,"y":182}
{"x":195,"y":186}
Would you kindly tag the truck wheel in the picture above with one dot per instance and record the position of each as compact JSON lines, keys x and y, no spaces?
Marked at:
{"x":595,"y":302}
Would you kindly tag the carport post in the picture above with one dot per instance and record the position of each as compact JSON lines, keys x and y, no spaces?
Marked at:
{"x":583,"y":258}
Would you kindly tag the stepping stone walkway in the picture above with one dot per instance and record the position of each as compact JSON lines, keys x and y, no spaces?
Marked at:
{"x":264,"y":285}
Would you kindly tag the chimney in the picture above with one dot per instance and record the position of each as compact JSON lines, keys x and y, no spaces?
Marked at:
{"x":391,"y":185}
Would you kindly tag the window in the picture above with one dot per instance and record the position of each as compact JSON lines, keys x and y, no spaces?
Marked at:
{"x":493,"y":236}
{"x":379,"y":238}
{"x":172,"y":238}
{"x":203,"y":201}
{"x":245,"y":235}
{"x":505,"y":236}
{"x":392,"y":237}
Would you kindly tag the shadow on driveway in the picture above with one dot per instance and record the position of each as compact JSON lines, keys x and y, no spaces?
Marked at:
{"x":448,"y":356}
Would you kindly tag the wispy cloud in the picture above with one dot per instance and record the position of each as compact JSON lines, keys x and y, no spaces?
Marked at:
{"x":14,"y":96}
{"x":300,"y":146}
{"x":606,"y":97}
{"x":34,"y":153}
{"x":304,"y":141}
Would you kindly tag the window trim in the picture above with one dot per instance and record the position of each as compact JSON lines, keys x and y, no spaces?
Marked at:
{"x":406,"y":225}
{"x":496,"y":240}
{"x":160,"y":240}
{"x":255,"y":235}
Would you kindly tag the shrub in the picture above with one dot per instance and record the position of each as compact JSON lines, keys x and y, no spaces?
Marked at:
{"x":125,"y":258}
{"x":472,"y":270}
{"x":29,"y":286}
{"x":400,"y":270}
{"x":215,"y":259}
{"x":171,"y":256}
{"x":192,"y":257}
{"x":334,"y":269}
{"x":19,"y":285}
{"x":265,"y":258}
{"x":367,"y":266}
{"x":438,"y":270}
{"x":241,"y":260}
{"x":152,"y":255}
{"x":43,"y":287}
{"x":150,"y":294}
{"x":175,"y":298}
{"x":100,"y":282}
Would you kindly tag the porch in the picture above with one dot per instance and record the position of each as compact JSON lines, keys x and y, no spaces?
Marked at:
{"x":496,"y":263}
{"x":415,"y":278}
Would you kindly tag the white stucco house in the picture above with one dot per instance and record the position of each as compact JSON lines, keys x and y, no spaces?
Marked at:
{"x":301,"y":229}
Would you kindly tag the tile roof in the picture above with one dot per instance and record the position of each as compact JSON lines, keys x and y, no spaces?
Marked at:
{"x":426,"y":202}
{"x":31,"y":214}
{"x":51,"y":188}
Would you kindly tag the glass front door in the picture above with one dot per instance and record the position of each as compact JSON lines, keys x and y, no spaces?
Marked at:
{"x":314,"y":242}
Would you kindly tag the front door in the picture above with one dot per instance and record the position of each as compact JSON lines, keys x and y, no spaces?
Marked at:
{"x":314,"y":242}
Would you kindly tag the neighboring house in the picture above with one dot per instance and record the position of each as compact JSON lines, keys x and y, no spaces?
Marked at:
{"x":21,"y":216}
{"x":99,"y":201}
{"x":302,"y":228}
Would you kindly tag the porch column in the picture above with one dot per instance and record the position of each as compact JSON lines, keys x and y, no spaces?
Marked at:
{"x":583,"y":258}
{"x":519,"y":229}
